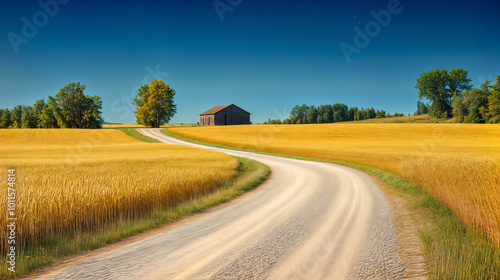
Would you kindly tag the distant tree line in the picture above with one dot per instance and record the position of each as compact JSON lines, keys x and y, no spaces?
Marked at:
{"x":422,"y":108}
{"x":480,"y":105}
{"x":451,"y":94}
{"x":70,"y":108}
{"x":304,"y":114}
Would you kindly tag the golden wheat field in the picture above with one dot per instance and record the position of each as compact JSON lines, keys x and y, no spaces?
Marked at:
{"x":457,"y":163}
{"x":425,"y":118}
{"x":80,"y":180}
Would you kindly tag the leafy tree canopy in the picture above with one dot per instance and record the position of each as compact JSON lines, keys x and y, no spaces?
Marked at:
{"x":440,"y":86}
{"x":154,"y":104}
{"x":73,"y":109}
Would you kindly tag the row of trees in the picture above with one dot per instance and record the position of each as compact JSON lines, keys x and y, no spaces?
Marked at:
{"x":70,"y":108}
{"x":422,"y":108}
{"x":303,"y":114}
{"x":451,"y":94}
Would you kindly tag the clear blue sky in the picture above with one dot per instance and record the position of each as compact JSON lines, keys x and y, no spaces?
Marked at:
{"x":265,"y":56}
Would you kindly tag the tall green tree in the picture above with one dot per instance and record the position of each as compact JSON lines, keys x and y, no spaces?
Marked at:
{"x":493,"y":113}
{"x":432,"y":85}
{"x":370,"y":113}
{"x":440,"y":86}
{"x":460,"y":109}
{"x":312,"y":114}
{"x":340,"y":112}
{"x":92,"y":112}
{"x":458,"y":82}
{"x":38,"y":108}
{"x":5,"y":119}
{"x":325,"y":114}
{"x":351,"y":113}
{"x":154,"y":104}
{"x":48,"y":119}
{"x":337,"y":116}
{"x":68,"y":103}
{"x":299,"y":113}
{"x":16,"y":115}
{"x":360,"y":115}
{"x":28,"y":118}
{"x":380,"y":114}
{"x":73,"y":109}
{"x":1,"y":114}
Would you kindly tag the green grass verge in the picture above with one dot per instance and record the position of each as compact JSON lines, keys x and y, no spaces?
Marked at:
{"x":135,"y":134}
{"x":51,"y":249}
{"x":452,"y":250}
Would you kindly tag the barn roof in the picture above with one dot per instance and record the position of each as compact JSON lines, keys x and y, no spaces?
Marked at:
{"x":220,"y":108}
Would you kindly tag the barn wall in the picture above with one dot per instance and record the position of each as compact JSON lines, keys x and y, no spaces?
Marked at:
{"x":232,"y":116}
{"x":228,"y":116}
{"x":206,"y":120}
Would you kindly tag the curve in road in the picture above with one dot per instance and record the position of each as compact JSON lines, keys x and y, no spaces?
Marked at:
{"x":310,"y":220}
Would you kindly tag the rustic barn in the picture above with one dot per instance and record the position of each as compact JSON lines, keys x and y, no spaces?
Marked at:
{"x":225,"y":115}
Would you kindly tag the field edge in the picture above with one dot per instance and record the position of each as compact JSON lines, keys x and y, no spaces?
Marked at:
{"x":132,"y":132}
{"x":63,"y":248}
{"x":444,"y":237}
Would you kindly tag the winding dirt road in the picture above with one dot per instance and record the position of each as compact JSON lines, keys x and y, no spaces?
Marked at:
{"x":310,"y":220}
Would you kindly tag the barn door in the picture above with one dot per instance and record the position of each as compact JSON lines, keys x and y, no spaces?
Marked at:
{"x":225,"y":119}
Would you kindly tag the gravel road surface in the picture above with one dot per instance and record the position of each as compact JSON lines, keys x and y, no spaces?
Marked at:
{"x":310,"y":220}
